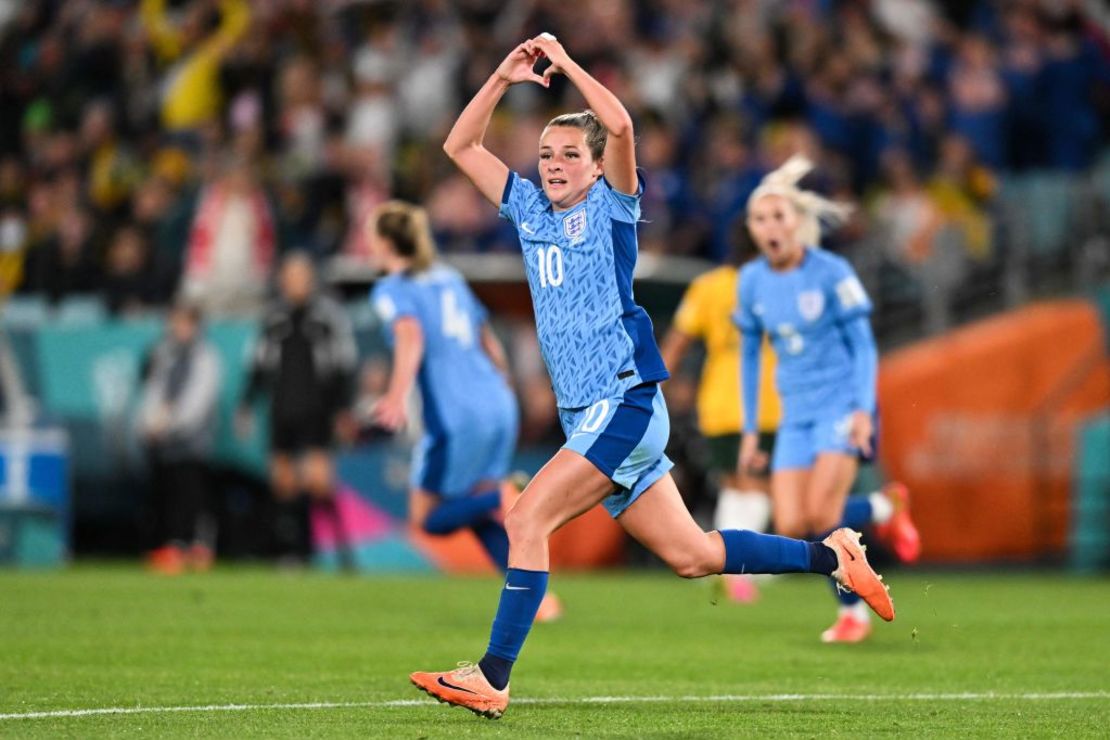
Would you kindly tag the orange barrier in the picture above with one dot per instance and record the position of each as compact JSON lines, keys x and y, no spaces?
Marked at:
{"x":981,"y":424}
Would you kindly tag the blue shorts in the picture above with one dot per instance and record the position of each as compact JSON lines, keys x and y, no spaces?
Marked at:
{"x":798,"y":444}
{"x":624,"y":437}
{"x":452,"y":461}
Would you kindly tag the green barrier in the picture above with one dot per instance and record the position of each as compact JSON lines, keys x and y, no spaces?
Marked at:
{"x":1090,"y":534}
{"x":89,"y":378}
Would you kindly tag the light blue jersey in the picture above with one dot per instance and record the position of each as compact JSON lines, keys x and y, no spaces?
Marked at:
{"x":470,"y":414}
{"x":596,"y":342}
{"x":809,"y":313}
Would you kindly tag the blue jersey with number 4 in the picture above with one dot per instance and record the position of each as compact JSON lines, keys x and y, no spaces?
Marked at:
{"x":803,"y":310}
{"x":596,"y":341}
{"x":458,"y":381}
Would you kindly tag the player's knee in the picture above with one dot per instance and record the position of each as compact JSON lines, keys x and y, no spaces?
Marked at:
{"x":522,"y":526}
{"x":795,"y":527}
{"x":694,"y":563}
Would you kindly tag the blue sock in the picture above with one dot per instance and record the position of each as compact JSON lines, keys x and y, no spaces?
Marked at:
{"x":520,"y":600}
{"x":751,"y":552}
{"x":846,"y":598}
{"x":857,"y":512}
{"x":456,"y":513}
{"x":496,"y":543}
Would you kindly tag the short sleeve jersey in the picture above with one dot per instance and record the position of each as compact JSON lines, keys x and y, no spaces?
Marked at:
{"x":595,"y":340}
{"x":802,"y":311}
{"x":705,"y":313}
{"x":455,"y":370}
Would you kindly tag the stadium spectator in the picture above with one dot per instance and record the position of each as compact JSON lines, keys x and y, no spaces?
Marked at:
{"x":233,"y":243}
{"x":305,"y":361}
{"x":177,"y":421}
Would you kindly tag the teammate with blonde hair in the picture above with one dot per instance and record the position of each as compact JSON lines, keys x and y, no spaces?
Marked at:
{"x":815,"y":310}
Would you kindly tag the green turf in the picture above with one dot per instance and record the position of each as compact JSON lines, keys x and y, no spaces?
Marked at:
{"x":97,"y":637}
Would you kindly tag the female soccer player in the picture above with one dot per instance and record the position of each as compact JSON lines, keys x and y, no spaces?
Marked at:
{"x":443,"y":343}
{"x":578,"y":236}
{"x":815,"y":310}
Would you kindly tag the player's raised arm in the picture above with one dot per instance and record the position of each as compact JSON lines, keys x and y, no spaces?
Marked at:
{"x":464,"y":144}
{"x":620,"y":149}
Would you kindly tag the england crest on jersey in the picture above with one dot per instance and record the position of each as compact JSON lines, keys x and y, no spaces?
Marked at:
{"x":574,"y":225}
{"x":810,"y":304}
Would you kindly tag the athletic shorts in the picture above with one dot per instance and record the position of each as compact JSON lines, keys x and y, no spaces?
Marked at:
{"x":624,"y":437}
{"x":451,"y":463}
{"x":798,"y":444}
{"x":724,"y":450}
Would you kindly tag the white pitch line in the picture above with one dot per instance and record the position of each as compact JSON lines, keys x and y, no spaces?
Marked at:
{"x":720,"y":699}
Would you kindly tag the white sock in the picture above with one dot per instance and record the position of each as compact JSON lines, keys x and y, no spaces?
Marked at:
{"x":742,"y":510}
{"x":859,"y":611}
{"x":881,"y":508}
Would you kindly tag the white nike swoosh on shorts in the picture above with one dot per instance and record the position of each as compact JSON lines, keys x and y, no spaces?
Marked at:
{"x":516,"y":588}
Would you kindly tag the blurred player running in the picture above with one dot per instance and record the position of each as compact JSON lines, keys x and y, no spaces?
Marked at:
{"x":443,"y":343}
{"x":815,"y":310}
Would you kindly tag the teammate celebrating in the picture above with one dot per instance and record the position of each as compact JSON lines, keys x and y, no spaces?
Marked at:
{"x":578,"y":237}
{"x":815,"y":310}
{"x":442,"y":342}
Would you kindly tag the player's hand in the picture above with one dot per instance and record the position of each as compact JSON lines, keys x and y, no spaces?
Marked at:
{"x":244,"y":423}
{"x":389,"y":413}
{"x":517,"y":67}
{"x":752,"y":459}
{"x":862,"y":429}
{"x":546,"y":45}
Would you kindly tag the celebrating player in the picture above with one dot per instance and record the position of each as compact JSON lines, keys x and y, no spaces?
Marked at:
{"x":443,"y":343}
{"x":815,"y":310}
{"x":578,"y":237}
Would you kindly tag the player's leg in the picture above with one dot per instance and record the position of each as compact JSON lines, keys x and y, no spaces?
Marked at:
{"x":659,"y":519}
{"x":826,"y":495}
{"x":288,"y":506}
{"x":743,"y":502}
{"x":565,"y":487}
{"x":790,"y":464}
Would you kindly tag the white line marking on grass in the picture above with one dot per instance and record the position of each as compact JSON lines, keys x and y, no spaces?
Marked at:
{"x":720,"y":699}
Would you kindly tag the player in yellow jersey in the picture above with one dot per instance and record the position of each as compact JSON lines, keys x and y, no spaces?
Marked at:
{"x":705,"y":314}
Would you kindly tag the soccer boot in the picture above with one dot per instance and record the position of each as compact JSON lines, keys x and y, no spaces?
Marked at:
{"x":900,"y":533}
{"x":848,"y":628}
{"x":854,"y":574}
{"x":466,"y":687}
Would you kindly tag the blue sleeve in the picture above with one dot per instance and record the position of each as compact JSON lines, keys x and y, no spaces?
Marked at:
{"x":622,"y":206}
{"x":750,"y":355}
{"x":391,"y":300}
{"x":848,"y":298}
{"x":751,"y":345}
{"x":517,"y":199}
{"x":865,"y":361}
{"x":745,"y":317}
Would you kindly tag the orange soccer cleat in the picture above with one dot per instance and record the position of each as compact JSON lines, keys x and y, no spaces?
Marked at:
{"x":848,"y":628}
{"x":900,"y":533}
{"x":854,"y":574}
{"x":466,"y":687}
{"x":169,"y":560}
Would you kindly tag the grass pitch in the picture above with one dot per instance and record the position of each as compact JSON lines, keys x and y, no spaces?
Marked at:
{"x":243,"y":652}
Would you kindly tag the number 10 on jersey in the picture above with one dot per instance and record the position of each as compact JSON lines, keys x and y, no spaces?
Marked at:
{"x":550,"y":263}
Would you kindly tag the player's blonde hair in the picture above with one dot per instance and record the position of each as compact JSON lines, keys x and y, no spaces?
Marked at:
{"x":406,"y":226}
{"x":812,"y":209}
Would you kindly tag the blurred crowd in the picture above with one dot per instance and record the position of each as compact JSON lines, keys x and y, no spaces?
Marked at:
{"x":156,"y":147}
